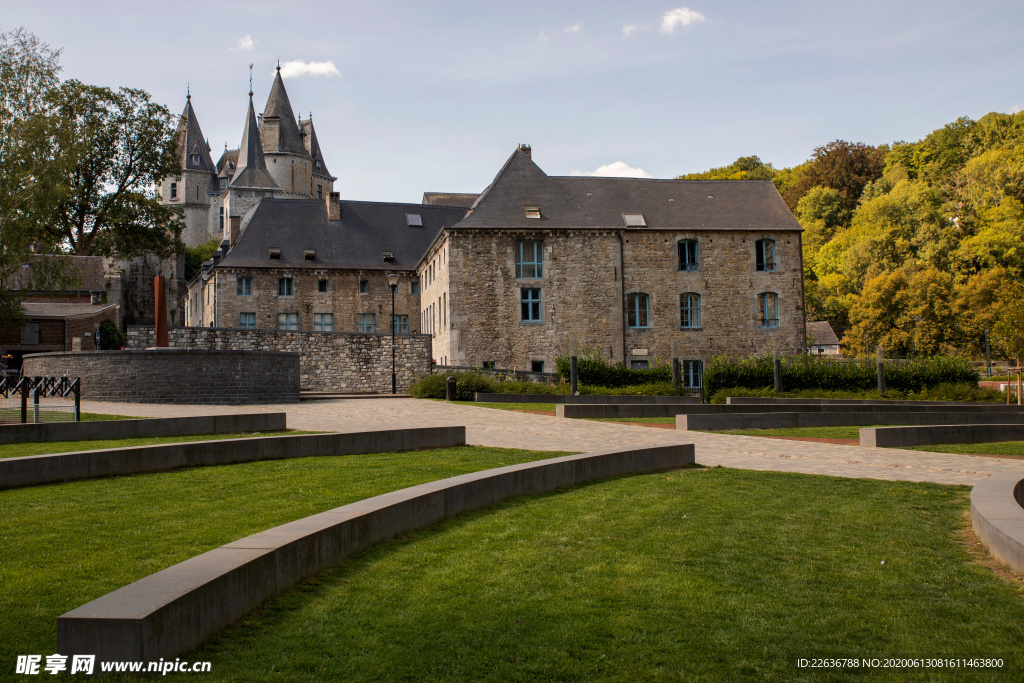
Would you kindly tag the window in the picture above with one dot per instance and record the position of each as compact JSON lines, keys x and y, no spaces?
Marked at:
{"x":366,"y":323}
{"x":247,"y":321}
{"x":640,"y":364}
{"x":530,"y":305}
{"x":768,"y":309}
{"x":488,"y":365}
{"x":318,"y":165}
{"x":223,"y":183}
{"x":634,"y":220}
{"x":319,"y":189}
{"x":364,"y":286}
{"x":636,"y":310}
{"x":530,"y":259}
{"x":274,"y":254}
{"x":30,"y":334}
{"x":323,"y":322}
{"x":689,"y":310}
{"x":243,"y":286}
{"x":309,"y":255}
{"x":764,"y":255}
{"x":321,"y":286}
{"x":414,"y":287}
{"x":402,"y":326}
{"x":537,"y":366}
{"x":689,"y":373}
{"x":414,"y":220}
{"x":688,"y":256}
{"x":287,"y":321}
{"x":174,"y":190}
{"x":222,"y":219}
{"x":195,"y":159}
{"x":284,"y":287}
{"x":532,"y":211}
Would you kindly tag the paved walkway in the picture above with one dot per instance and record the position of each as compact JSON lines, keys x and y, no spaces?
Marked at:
{"x":509,"y":429}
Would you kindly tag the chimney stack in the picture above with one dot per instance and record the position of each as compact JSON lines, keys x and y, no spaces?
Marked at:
{"x":525,"y":149}
{"x":334,"y":206}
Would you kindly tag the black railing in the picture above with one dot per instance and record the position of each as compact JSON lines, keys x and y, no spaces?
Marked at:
{"x":41,"y":387}
{"x":499,"y":373}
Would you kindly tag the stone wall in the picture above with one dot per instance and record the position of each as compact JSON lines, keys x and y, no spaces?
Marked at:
{"x":329,"y":361}
{"x":175,"y":376}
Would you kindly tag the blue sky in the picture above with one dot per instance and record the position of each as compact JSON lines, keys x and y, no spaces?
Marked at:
{"x":410,"y":97}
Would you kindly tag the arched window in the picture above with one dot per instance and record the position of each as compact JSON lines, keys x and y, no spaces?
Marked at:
{"x":636,"y":310}
{"x":688,"y":260}
{"x":764,"y":255}
{"x":689,"y":310}
{"x":768,"y":309}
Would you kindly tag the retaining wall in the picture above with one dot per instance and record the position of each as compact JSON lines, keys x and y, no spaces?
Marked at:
{"x":837,"y":419}
{"x":669,"y":410}
{"x":895,"y":437}
{"x":47,"y":469}
{"x":173,"y":611}
{"x":136,"y":429}
{"x":998,"y":518}
{"x":744,"y":400}
{"x":175,"y":376}
{"x":585,"y":400}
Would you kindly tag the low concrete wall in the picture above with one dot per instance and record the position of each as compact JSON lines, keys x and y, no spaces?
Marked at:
{"x":585,"y":400}
{"x":605,"y":411}
{"x":137,"y":429}
{"x":175,"y":376}
{"x":836,"y":419}
{"x":173,"y":611}
{"x":746,"y":400}
{"x":998,"y":518}
{"x":895,"y":437}
{"x":34,"y":470}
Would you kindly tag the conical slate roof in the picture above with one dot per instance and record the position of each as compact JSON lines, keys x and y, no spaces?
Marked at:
{"x":313,"y":147}
{"x":278,"y":107}
{"x":191,"y":142}
{"x":251,"y":169}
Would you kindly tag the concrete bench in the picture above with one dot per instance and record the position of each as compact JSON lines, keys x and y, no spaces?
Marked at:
{"x":137,"y":429}
{"x":584,"y":400}
{"x":724,"y":422}
{"x":174,"y":610}
{"x":34,"y":470}
{"x":626,"y":411}
{"x":896,"y":437}
{"x":747,"y":400}
{"x":998,"y":518}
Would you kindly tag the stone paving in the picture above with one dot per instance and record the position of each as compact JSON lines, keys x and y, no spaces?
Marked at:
{"x":510,"y":429}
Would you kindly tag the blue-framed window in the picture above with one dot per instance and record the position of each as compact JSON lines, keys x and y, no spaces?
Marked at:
{"x":247,"y":321}
{"x":287,"y":321}
{"x":768,"y":309}
{"x":400,"y":324}
{"x":636,"y":310}
{"x":414,"y":287}
{"x":689,"y":310}
{"x":364,"y":287}
{"x":688,"y":259}
{"x":764,"y":255}
{"x":690,"y":373}
{"x":243,"y":286}
{"x":323,"y":322}
{"x":530,"y":259}
{"x":285,"y":287}
{"x":529,"y":300}
{"x":366,"y":323}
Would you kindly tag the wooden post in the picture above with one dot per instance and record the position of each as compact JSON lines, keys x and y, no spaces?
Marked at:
{"x":675,"y":374}
{"x":574,"y":375}
{"x":160,"y":304}
{"x":880,"y":368}
{"x":78,"y":399}
{"x":777,"y":363}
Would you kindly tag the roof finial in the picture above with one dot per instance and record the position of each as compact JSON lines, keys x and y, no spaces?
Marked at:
{"x":188,"y":90}
{"x":279,"y":65}
{"x":250,"y":81}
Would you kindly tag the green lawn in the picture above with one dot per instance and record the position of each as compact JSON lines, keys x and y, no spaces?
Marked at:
{"x":506,"y":406}
{"x":66,"y":544}
{"x":16,"y":450}
{"x":708,"y":574}
{"x":987,"y":448}
{"x":99,"y":417}
{"x":654,"y":420}
{"x":816,"y":432}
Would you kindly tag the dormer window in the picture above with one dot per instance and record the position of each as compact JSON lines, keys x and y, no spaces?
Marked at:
{"x":223,"y":183}
{"x":195,"y":159}
{"x":634,"y":220}
{"x":275,"y":254}
{"x":309,"y":255}
{"x":532,"y":211}
{"x":388,"y":255}
{"x":414,"y":220}
{"x":318,"y":164}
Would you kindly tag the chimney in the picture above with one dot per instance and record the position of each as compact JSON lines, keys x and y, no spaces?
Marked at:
{"x":334,"y":206}
{"x":236,"y":226}
{"x":525,"y":149}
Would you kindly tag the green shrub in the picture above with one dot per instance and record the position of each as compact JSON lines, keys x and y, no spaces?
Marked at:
{"x":594,"y":370}
{"x":111,"y":338}
{"x":466,"y":385}
{"x":940,"y":392}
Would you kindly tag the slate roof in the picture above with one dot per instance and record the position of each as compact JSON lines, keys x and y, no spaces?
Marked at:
{"x":313,"y":148}
{"x":585,"y":201}
{"x":191,"y":141}
{"x":821,"y":334}
{"x":227,"y":163}
{"x":462,"y":199}
{"x":251,"y":169}
{"x":278,"y":106}
{"x":34,"y":309}
{"x":366,"y":229}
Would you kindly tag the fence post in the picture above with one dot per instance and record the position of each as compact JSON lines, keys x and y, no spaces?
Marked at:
{"x":675,"y":374}
{"x":35,"y":405}
{"x":449,"y":389}
{"x":880,"y":369}
{"x":777,"y":363}
{"x":78,"y":399}
{"x":24,"y":401}
{"x":574,"y":375}
{"x":988,"y":362}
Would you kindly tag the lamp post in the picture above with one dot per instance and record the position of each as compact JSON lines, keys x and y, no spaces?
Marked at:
{"x":393,"y":283}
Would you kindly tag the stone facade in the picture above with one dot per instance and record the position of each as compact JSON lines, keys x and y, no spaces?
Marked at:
{"x":336,"y":362}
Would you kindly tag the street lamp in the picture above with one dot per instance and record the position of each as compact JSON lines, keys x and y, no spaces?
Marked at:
{"x":393,"y":283}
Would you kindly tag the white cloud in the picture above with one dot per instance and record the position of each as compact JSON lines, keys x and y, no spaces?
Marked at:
{"x":682,"y":16}
{"x":245,"y":44}
{"x":617,"y":169}
{"x":1016,"y":110}
{"x":544,"y":37}
{"x":630,"y":29}
{"x":574,"y":28}
{"x":298,"y":68}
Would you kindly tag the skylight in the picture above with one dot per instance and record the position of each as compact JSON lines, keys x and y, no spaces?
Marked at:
{"x":634,"y":220}
{"x":275,"y":254}
{"x":414,"y":220}
{"x":309,"y":254}
{"x":388,"y":255}
{"x":532,"y":211}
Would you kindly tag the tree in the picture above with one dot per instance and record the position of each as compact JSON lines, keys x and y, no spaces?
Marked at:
{"x":843,"y":166}
{"x":1008,"y":332}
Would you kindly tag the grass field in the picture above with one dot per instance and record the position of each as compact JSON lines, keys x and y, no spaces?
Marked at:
{"x":17,"y":450}
{"x":816,"y":432}
{"x":66,"y":544}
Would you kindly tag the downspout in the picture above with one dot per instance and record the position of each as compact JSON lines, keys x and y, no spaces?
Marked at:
{"x":803,"y":302}
{"x":622,"y":292}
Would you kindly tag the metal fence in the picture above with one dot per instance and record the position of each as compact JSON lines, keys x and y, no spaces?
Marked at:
{"x":498,"y":373}
{"x":15,"y":407}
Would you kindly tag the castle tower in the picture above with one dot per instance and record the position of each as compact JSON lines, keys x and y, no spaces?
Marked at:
{"x":251,"y":181}
{"x":322,"y":184}
{"x":288,"y":160}
{"x":192,"y":189}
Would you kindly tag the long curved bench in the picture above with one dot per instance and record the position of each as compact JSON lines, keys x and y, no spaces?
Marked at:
{"x":174,"y":610}
{"x":998,"y":518}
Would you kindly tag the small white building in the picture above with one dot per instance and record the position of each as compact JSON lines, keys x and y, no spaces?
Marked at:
{"x":821,"y":340}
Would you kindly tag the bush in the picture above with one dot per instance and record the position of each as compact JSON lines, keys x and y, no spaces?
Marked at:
{"x":111,"y":338}
{"x":940,"y":392}
{"x":466,"y":385}
{"x":594,"y":370}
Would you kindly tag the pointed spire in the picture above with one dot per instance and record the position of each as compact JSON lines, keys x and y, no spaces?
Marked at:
{"x":192,"y":151}
{"x":251,"y":169}
{"x":280,"y":132}
{"x":313,"y":148}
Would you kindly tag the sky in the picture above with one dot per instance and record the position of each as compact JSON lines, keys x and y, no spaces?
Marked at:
{"x":434,"y":96}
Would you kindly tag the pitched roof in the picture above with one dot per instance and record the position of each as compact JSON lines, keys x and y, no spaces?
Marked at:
{"x":449,"y":199}
{"x":586,"y":201}
{"x":313,"y":148}
{"x":821,"y":334}
{"x":279,"y":108}
{"x":251,"y":169}
{"x":227,"y":163}
{"x":191,"y":141}
{"x":358,"y":240}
